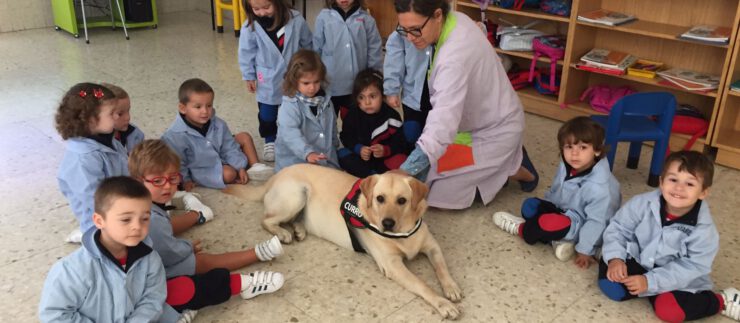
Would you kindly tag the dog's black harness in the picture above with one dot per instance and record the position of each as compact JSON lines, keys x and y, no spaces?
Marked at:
{"x":354,"y":219}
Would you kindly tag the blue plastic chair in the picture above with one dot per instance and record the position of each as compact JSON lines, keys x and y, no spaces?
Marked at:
{"x":636,"y":118}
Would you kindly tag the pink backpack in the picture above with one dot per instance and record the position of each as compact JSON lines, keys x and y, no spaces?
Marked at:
{"x":549,"y":46}
{"x":602,"y":97}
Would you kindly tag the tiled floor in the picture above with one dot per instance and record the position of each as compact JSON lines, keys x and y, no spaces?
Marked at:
{"x":502,"y":278}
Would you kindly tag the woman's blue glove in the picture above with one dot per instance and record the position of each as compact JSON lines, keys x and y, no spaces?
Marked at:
{"x":417,"y":164}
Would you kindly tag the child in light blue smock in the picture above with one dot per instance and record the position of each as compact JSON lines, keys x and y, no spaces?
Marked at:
{"x":115,"y":276}
{"x":348,"y":41}
{"x":125,"y":132}
{"x":405,"y":84}
{"x":271,"y":35}
{"x":210,"y":155}
{"x":85,"y":119}
{"x":583,"y":197}
{"x":662,"y":244}
{"x":307,"y":125}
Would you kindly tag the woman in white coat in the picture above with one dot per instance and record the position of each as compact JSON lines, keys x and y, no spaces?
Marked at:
{"x":472,"y":140}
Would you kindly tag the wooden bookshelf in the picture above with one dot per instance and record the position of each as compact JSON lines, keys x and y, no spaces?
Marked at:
{"x":653,"y":36}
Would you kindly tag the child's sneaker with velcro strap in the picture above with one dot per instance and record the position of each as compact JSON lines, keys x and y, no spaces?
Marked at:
{"x":564,"y":250}
{"x":260,"y":172}
{"x":732,"y":303}
{"x":508,"y":222}
{"x":260,"y":282}
{"x":268,"y":249}
{"x":268,"y":152}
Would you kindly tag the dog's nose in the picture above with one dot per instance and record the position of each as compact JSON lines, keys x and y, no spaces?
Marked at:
{"x":388,"y":224}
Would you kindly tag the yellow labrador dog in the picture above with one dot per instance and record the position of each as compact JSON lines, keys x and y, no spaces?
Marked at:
{"x":382,"y":212}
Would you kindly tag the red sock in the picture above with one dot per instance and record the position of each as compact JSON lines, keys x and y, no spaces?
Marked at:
{"x":180,"y":290}
{"x":521,"y":230}
{"x":721,"y":302}
{"x":235,"y":282}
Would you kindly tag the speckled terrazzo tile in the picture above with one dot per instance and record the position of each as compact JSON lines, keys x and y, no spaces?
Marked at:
{"x":32,"y":150}
{"x":32,"y":193}
{"x":266,"y":308}
{"x":29,"y":234}
{"x":21,"y":283}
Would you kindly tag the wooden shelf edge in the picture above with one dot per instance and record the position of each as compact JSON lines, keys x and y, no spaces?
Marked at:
{"x":729,"y":158}
{"x":533,"y":13}
{"x":733,"y":93}
{"x":649,"y":81}
{"x":649,"y":33}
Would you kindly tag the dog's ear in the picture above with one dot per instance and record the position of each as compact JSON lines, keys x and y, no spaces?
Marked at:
{"x":419,"y":191}
{"x":367,"y":185}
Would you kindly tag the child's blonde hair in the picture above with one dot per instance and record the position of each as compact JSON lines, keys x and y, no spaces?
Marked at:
{"x":304,"y":61}
{"x":282,"y":13}
{"x":79,"y":105}
{"x":151,"y":156}
{"x":117,"y":90}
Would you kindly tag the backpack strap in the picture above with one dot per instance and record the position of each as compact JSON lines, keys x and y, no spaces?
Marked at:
{"x":694,"y":137}
{"x":518,"y":4}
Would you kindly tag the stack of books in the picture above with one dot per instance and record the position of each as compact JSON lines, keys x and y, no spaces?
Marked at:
{"x":708,"y":34}
{"x":689,"y":80}
{"x":735,"y":86}
{"x":606,"y":61}
{"x":606,"y":17}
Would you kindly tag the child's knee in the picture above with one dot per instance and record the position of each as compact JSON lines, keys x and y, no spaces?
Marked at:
{"x":530,"y":207}
{"x":667,"y":308}
{"x":229,"y":174}
{"x":615,"y":291}
{"x":242,"y":138}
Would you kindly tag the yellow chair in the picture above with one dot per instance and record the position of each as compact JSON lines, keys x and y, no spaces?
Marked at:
{"x":235,"y":6}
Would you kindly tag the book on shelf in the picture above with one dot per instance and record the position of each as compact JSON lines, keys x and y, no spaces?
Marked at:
{"x":735,"y":86}
{"x":644,"y":68}
{"x":596,"y":69}
{"x":690,"y":79}
{"x":608,"y":59}
{"x":684,"y":85}
{"x":606,"y":17}
{"x":710,"y":34}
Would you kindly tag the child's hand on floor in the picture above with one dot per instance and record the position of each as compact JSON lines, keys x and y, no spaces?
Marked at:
{"x":584,"y":261}
{"x":365,"y":153}
{"x":243,"y":177}
{"x":197,"y":248}
{"x":378,"y":150}
{"x":636,"y":284}
{"x":252,"y":86}
{"x":188,"y":186}
{"x":617,"y":270}
{"x":314,"y":158}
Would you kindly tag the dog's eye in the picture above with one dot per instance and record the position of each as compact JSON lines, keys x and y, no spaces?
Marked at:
{"x":381,"y":199}
{"x":401,"y":200}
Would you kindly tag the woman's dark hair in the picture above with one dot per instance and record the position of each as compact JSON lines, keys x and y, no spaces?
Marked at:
{"x":425,"y":8}
{"x":364,"y":79}
{"x":80,"y":105}
{"x":282,"y":13}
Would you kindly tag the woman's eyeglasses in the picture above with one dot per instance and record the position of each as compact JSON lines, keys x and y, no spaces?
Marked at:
{"x":159,"y":181}
{"x":416,"y":32}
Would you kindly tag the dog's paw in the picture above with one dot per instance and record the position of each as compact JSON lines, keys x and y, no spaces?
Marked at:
{"x":285,"y":236}
{"x":452,"y":291}
{"x":447,"y":309}
{"x":300,"y":233}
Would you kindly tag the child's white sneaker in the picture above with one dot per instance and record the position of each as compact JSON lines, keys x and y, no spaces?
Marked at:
{"x":508,"y":222}
{"x":74,"y":237}
{"x":260,"y":172}
{"x":192,"y":203}
{"x":188,"y":316}
{"x":268,"y":152}
{"x":268,"y":249}
{"x":564,"y":250}
{"x":732,"y":303}
{"x":260,"y":282}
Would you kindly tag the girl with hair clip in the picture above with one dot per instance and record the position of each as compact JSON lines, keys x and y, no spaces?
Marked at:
{"x":85,"y":119}
{"x":271,"y":35}
{"x":307,"y":126}
{"x":371,"y":132}
{"x":348,"y":41}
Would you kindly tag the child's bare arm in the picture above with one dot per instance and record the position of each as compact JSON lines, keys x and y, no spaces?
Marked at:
{"x":183,"y":222}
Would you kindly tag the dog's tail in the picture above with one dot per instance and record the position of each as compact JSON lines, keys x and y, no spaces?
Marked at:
{"x":248,"y":192}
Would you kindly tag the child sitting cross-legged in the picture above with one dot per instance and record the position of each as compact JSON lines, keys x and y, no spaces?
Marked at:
{"x":211,"y":156}
{"x":115,"y":276}
{"x":661,"y":245}
{"x":195,"y":278}
{"x":583,"y":197}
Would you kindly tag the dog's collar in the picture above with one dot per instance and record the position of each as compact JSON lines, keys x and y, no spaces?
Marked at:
{"x":354,"y":218}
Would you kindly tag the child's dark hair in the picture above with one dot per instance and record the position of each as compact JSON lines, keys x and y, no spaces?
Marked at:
{"x":303,"y":61}
{"x":152,"y":156}
{"x":113,"y":188}
{"x":282,"y":13}
{"x":582,"y":129}
{"x":364,"y":79}
{"x":80,"y":105}
{"x":190,"y":86}
{"x":425,"y":8}
{"x":361,"y":3}
{"x":693,"y":162}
